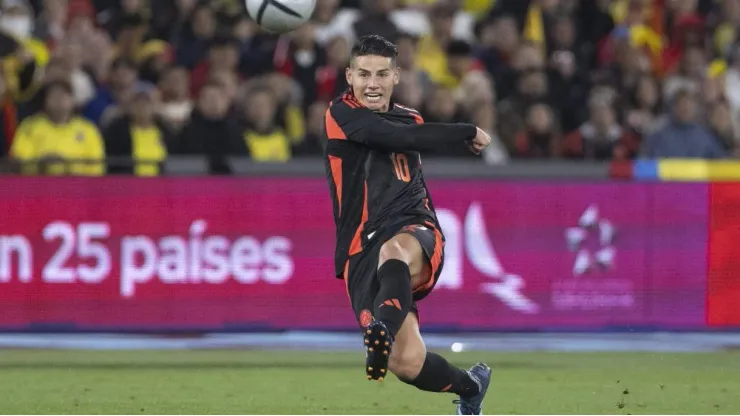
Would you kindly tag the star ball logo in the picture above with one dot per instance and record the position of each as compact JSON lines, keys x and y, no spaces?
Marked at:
{"x":592,"y":240}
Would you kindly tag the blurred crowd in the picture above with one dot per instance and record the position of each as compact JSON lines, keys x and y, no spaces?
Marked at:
{"x":87,"y":80}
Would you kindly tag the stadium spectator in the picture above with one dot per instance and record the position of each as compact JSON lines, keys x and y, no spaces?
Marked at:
{"x":139,"y":134}
{"x":331,"y":78}
{"x":116,"y":14}
{"x":290,"y":114}
{"x":460,"y":60}
{"x":255,"y":55}
{"x":69,"y":59}
{"x":176,"y":104}
{"x":502,"y":62}
{"x":567,"y":72}
{"x":210,"y":131}
{"x":106,"y":104}
{"x":94,"y":44}
{"x":721,"y":126}
{"x":312,"y":143}
{"x":229,"y":84}
{"x":498,"y":45}
{"x":532,"y":87}
{"x":265,"y":140}
{"x":55,"y":141}
{"x":539,"y":138}
{"x":725,"y":21}
{"x":223,"y":55}
{"x":682,"y":136}
{"x":441,"y":107}
{"x":601,"y":137}
{"x":300,"y":57}
{"x":195,"y":36}
{"x":53,"y":18}
{"x":413,"y":80}
{"x":431,"y":55}
{"x":376,"y":20}
{"x":644,"y":113}
{"x":689,"y":75}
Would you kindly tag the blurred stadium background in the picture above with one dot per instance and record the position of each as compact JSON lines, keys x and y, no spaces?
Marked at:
{"x":162,"y":188}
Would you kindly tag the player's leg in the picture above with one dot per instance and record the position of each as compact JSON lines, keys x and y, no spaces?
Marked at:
{"x":410,"y":361}
{"x":414,"y":365}
{"x":400,"y":260}
{"x":397,"y":259}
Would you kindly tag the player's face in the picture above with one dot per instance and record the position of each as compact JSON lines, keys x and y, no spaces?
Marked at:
{"x":372,"y":79}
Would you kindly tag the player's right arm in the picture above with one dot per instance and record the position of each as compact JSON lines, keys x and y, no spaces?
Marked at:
{"x":359,"y":124}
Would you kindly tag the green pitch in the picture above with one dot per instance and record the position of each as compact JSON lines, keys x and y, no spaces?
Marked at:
{"x":203,"y":382}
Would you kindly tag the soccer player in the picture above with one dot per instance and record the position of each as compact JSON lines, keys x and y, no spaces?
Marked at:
{"x":389,"y":246}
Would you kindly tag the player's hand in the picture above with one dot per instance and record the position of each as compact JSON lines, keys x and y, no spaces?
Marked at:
{"x":480,"y":142}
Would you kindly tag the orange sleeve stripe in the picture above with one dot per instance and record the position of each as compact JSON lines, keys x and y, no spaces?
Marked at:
{"x":336,"y":173}
{"x":333,"y":131}
{"x":356,"y":245}
{"x":414,"y":113}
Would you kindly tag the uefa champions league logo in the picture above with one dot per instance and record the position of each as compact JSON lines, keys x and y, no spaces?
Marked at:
{"x":592,"y":240}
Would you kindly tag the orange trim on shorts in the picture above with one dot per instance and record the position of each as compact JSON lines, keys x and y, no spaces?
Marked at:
{"x":435,"y":261}
{"x":346,"y":277}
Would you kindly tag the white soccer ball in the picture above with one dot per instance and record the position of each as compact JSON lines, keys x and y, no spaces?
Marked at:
{"x":280,"y":16}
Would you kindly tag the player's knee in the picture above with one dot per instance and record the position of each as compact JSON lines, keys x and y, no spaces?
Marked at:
{"x":407,"y":363}
{"x":393,"y":250}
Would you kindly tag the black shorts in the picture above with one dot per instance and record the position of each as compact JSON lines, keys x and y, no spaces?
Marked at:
{"x":360,"y":273}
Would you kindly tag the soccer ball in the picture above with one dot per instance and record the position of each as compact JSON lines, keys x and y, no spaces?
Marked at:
{"x":280,"y":16}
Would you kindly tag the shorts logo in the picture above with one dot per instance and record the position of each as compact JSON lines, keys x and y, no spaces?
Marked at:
{"x":366,"y":317}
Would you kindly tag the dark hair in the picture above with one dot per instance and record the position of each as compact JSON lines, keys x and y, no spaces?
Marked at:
{"x":126,"y":63}
{"x":261,"y":89}
{"x":132,"y":21}
{"x":459,"y":48}
{"x":374,"y":45}
{"x":224,"y":40}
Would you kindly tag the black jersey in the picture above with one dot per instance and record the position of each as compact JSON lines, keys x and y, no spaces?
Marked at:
{"x":373,"y":167}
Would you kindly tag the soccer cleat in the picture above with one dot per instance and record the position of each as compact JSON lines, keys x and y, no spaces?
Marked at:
{"x":376,"y":359}
{"x":481,"y":374}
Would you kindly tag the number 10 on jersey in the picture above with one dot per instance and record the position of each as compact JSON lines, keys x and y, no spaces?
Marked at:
{"x":401,"y":166}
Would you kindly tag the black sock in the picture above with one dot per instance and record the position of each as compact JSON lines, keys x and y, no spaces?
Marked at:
{"x":393,"y":301}
{"x":437,"y":375}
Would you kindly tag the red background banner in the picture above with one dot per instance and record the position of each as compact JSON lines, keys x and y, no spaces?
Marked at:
{"x":723,"y":280}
